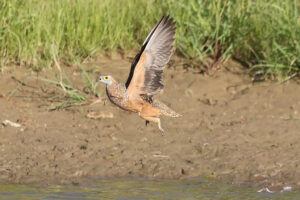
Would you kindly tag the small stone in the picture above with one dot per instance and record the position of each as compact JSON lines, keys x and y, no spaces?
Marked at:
{"x":99,"y":115}
{"x":114,"y":138}
{"x":287,"y":189}
{"x":10,"y":123}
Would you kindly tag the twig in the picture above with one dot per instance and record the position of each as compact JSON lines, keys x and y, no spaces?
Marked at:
{"x":20,"y":83}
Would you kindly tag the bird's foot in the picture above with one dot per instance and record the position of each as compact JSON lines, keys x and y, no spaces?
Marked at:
{"x":162,"y":132}
{"x":147,"y":122}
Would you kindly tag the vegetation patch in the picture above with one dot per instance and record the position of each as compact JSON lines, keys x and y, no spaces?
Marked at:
{"x":262,"y":34}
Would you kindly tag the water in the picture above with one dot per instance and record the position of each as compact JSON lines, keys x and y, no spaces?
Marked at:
{"x":143,"y":190}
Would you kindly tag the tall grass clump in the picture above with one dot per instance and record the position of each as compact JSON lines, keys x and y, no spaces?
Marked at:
{"x":262,"y":34}
{"x":79,"y":28}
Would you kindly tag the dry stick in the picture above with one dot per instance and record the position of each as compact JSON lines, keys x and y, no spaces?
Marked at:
{"x":58,"y":67}
{"x":20,"y":83}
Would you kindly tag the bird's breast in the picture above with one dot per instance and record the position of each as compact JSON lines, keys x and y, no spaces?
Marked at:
{"x":118,"y":96}
{"x":122,"y":100}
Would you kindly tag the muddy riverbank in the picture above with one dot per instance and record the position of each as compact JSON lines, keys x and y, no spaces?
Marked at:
{"x":231,"y":128}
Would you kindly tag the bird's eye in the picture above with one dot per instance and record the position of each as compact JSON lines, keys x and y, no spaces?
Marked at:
{"x":105,"y":78}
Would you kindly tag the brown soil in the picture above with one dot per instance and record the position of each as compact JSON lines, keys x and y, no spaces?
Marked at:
{"x":231,"y":128}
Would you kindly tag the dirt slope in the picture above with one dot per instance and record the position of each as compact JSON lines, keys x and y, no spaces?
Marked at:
{"x":230,"y":128}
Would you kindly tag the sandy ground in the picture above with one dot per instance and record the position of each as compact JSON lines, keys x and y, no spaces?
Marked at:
{"x":231,"y":128}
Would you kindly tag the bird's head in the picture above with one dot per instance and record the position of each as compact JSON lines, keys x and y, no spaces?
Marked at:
{"x":108,"y":80}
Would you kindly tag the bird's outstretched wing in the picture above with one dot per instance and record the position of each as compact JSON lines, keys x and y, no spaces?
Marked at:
{"x":146,"y":71}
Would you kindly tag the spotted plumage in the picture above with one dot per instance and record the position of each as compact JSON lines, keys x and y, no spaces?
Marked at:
{"x":146,"y":74}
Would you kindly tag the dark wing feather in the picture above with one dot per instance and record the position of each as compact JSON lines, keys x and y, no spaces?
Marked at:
{"x":158,"y":52}
{"x":137,"y":57}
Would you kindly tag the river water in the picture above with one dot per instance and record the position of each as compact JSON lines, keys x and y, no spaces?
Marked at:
{"x":143,"y":190}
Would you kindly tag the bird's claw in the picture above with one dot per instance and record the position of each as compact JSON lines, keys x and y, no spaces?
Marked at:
{"x":162,"y":132}
{"x":160,"y":128}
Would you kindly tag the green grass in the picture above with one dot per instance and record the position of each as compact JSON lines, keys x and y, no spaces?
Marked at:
{"x":70,"y":95}
{"x":263,"y":34}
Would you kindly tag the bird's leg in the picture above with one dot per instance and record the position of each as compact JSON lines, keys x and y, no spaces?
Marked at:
{"x":147,"y":122}
{"x":154,"y":119}
{"x":160,"y":128}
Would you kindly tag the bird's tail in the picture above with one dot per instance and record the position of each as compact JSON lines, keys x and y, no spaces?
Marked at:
{"x":165,"y":110}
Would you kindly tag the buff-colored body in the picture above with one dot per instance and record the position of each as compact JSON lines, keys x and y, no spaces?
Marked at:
{"x":145,"y":77}
{"x":117,"y":94}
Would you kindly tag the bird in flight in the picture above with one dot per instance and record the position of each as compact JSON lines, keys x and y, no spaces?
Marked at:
{"x":145,"y":77}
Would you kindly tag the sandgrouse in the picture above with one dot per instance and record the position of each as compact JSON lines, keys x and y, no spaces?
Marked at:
{"x":145,"y":77}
